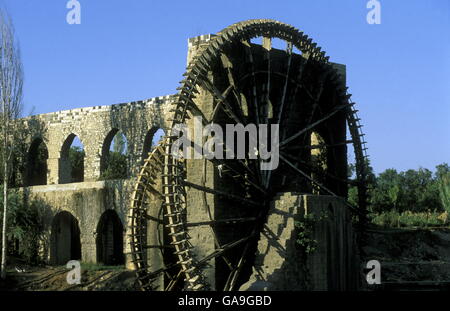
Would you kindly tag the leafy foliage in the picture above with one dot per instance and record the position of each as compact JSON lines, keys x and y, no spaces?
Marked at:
{"x":76,"y":158}
{"x":394,"y":219}
{"x":26,"y":225}
{"x":116,"y":166}
{"x":443,"y":179}
{"x":119,"y":143}
{"x":305,"y":233}
{"x":305,"y":229}
{"x":413,"y":190}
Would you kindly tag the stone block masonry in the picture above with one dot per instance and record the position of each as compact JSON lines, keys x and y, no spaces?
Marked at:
{"x":92,"y":125}
{"x":281,"y":263}
{"x":87,"y":201}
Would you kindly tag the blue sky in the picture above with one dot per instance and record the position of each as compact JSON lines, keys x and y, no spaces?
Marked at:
{"x":398,"y":71}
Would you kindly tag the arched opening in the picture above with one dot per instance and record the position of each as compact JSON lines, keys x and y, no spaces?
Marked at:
{"x":71,"y":165}
{"x":37,"y":163}
{"x":65,"y":239}
{"x":109,"y":239}
{"x":114,"y":160}
{"x":154,"y":135}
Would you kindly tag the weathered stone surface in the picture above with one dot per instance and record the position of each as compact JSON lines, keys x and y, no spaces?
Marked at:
{"x":281,"y":265}
{"x":92,"y":126}
{"x":88,"y":200}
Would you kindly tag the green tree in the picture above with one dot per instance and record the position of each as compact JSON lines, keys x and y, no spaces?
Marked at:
{"x":11,"y":83}
{"x":353,"y":189}
{"x":116,"y":167}
{"x":386,"y":191}
{"x":26,"y":226}
{"x":418,"y":192}
{"x":443,"y":184}
{"x":76,"y":158}
{"x":116,"y":163}
{"x":119,"y":143}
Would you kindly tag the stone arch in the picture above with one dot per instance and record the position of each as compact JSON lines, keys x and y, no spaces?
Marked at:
{"x":69,"y":173}
{"x":151,"y":139}
{"x":37,"y":163}
{"x":109,"y":240}
{"x":65,"y":239}
{"x":106,"y":155}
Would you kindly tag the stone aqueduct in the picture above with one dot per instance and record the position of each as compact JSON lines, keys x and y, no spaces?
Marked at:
{"x":85,"y":206}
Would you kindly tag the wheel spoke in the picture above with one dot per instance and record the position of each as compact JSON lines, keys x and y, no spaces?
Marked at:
{"x":320,"y":146}
{"x":336,"y":110}
{"x":248,"y":48}
{"x":317,"y":170}
{"x":221,"y":221}
{"x":220,"y":103}
{"x":222,"y":193}
{"x":306,"y":175}
{"x":283,"y":98}
{"x":225,"y":104}
{"x":174,"y":281}
{"x":218,"y":252}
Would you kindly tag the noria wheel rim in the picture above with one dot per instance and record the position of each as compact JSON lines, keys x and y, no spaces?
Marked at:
{"x":250,"y":84}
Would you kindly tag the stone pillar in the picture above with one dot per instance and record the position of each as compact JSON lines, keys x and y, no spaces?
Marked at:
{"x":65,"y":171}
{"x":52,"y":171}
{"x":283,"y":264}
{"x":201,"y":172}
{"x":195,"y":43}
{"x":92,"y":163}
{"x":202,"y":205}
{"x":334,"y":263}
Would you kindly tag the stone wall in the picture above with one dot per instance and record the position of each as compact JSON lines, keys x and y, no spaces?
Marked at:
{"x":86,"y":202}
{"x":283,"y":264}
{"x":94,"y":126}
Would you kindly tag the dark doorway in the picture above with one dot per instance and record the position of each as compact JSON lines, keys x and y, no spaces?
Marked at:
{"x":110,"y":239}
{"x":65,"y":239}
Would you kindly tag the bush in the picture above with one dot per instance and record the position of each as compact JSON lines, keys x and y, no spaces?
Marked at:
{"x":417,"y":191}
{"x":26,"y":226}
{"x":394,"y":219}
{"x":116,"y":167}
